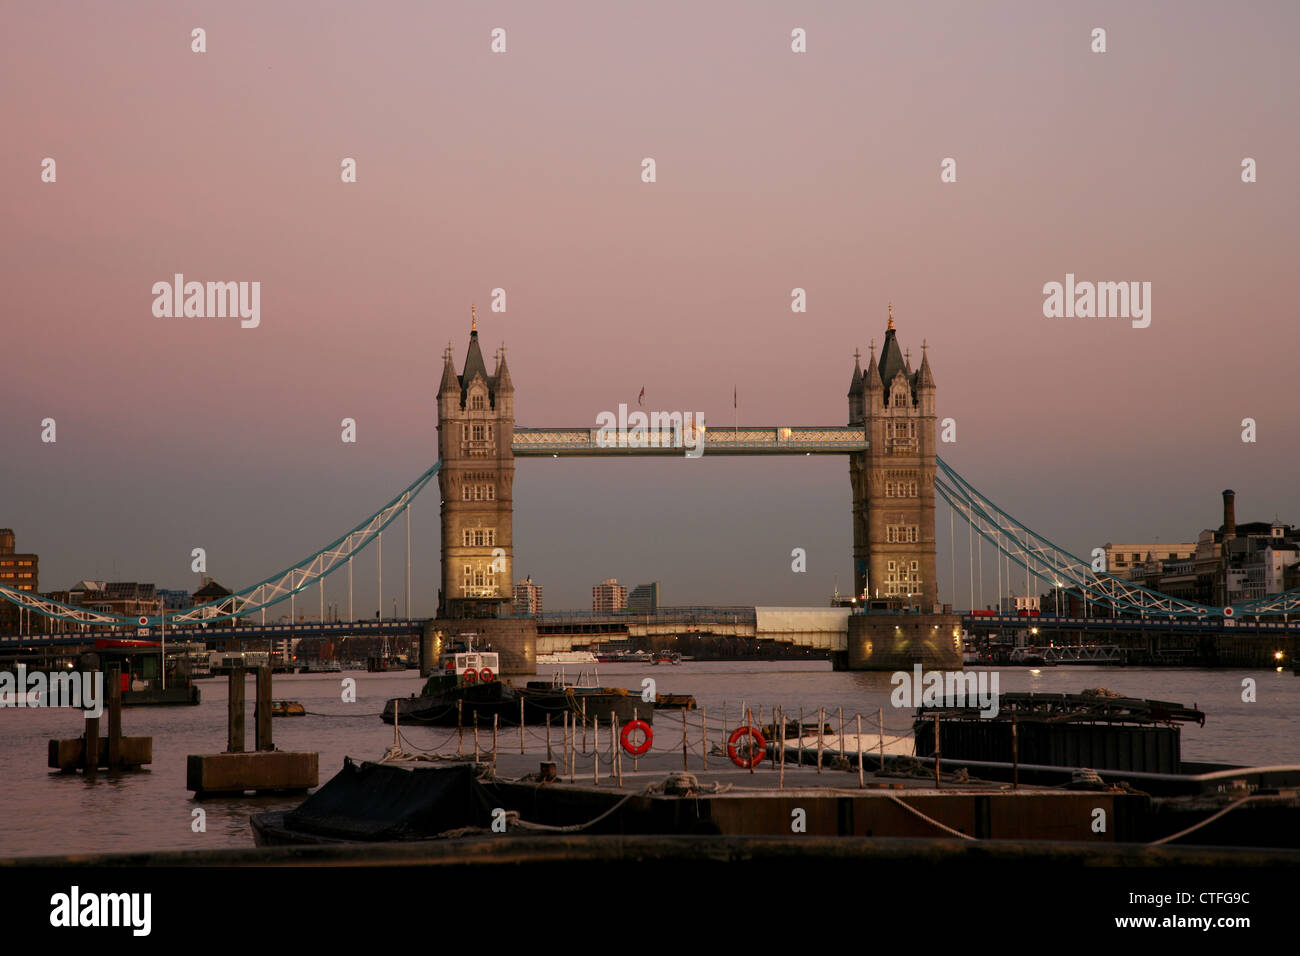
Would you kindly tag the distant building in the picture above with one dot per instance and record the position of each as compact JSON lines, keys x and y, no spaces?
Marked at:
{"x":528,"y":597}
{"x":1014,"y":604}
{"x":609,"y":595}
{"x":1122,"y":558}
{"x":17,"y":571}
{"x":1229,"y":565}
{"x":209,"y":592}
{"x":175,"y":599}
{"x":644,"y":598}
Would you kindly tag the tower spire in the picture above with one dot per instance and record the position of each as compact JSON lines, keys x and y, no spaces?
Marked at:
{"x":473,"y":318}
{"x":891,"y":315}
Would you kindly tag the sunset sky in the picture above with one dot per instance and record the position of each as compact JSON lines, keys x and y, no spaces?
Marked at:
{"x":522,"y":170}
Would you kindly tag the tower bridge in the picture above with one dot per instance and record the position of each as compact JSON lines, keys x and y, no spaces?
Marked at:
{"x":889,"y":439}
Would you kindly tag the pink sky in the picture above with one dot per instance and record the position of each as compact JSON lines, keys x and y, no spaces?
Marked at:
{"x":522,"y":170}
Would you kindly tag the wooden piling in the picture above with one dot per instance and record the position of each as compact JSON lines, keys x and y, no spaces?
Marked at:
{"x":749,"y":725}
{"x":613,"y":745}
{"x":460,"y":729}
{"x":495,"y":718}
{"x":634,"y":759}
{"x":1015,"y":754}
{"x":595,"y":752}
{"x":262,"y":711}
{"x":521,"y":726}
{"x":92,"y":740}
{"x":476,"y":735}
{"x":781,"y":782}
{"x":821,"y":725}
{"x":685,"y":766}
{"x":937,"y":780}
{"x":861,"y":780}
{"x":115,"y":716}
{"x":584,"y":726}
{"x":880,"y":721}
{"x":549,"y":755}
{"x":704,"y":735}
{"x":800,"y":740}
{"x":235,"y":712}
{"x":841,"y":715}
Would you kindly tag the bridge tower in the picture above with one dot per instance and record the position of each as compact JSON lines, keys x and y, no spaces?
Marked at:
{"x":476,"y":424}
{"x":893,"y":481}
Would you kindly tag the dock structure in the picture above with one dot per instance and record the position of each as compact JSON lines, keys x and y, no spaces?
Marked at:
{"x":91,"y":752}
{"x":263,"y":770}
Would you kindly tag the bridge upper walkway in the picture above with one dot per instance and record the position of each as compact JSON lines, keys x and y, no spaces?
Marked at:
{"x":718,"y":440}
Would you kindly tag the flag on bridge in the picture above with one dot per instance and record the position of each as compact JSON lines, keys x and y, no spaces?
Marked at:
{"x":640,"y":398}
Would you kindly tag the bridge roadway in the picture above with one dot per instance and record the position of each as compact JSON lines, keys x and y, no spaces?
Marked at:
{"x":718,"y":440}
{"x":825,"y":628}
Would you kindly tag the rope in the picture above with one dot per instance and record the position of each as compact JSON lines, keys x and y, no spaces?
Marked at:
{"x":1210,"y":819}
{"x":941,"y":826}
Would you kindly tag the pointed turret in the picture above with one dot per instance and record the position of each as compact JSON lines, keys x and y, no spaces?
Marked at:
{"x":502,"y":376}
{"x":855,"y":384}
{"x":856,"y":402}
{"x":924,"y":377}
{"x":874,"y":384}
{"x":449,"y":380}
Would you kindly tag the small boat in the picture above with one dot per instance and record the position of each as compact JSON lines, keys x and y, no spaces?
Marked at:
{"x":568,"y":657}
{"x":287,"y":708}
{"x":674,"y":702}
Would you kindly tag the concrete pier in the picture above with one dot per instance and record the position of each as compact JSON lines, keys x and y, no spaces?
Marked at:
{"x":896,"y":641}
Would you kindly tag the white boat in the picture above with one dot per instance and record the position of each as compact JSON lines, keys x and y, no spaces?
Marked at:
{"x":567,"y":657}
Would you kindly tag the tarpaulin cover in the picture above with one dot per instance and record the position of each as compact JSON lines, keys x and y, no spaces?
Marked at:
{"x":371,"y":801}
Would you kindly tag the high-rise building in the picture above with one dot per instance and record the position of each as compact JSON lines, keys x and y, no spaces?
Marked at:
{"x":528,"y":597}
{"x":476,"y":423}
{"x":609,"y":595}
{"x":893,"y":480}
{"x":644,"y":598}
{"x":17,"y":571}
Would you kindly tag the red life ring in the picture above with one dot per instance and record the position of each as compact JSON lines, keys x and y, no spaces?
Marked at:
{"x":758,"y":742}
{"x":625,"y":738}
{"x":470,"y":675}
{"x":485,"y":674}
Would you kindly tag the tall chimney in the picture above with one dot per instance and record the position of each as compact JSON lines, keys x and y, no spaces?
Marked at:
{"x":1229,"y":513}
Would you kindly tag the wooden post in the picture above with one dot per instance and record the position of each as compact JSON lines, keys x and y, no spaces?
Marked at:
{"x":460,"y":727}
{"x":495,"y":719}
{"x":92,"y":738}
{"x":801,"y":736}
{"x":521,"y":725}
{"x":618,"y":753}
{"x":613,"y":745}
{"x":841,"y":714}
{"x":781,"y":784}
{"x":114,"y":716}
{"x":595,"y":752}
{"x":476,"y":735}
{"x":584,"y":725}
{"x":635,"y":761}
{"x":936,"y":752}
{"x":262,"y":710}
{"x":861,"y":781}
{"x":549,"y":756}
{"x":685,"y":766}
{"x":704,"y":735}
{"x":749,"y":725}
{"x":821,"y":725}
{"x":564,"y":744}
{"x":880,"y":720}
{"x":1015,"y":754}
{"x":235,"y":712}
